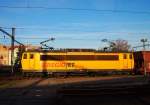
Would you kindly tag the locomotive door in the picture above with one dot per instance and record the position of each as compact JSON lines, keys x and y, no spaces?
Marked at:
{"x":31,"y":62}
{"x":125,"y":61}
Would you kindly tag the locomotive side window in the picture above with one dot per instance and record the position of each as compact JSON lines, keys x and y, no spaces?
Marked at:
{"x":31,"y":56}
{"x":25,"y":56}
{"x":107,"y":57}
{"x":52,"y":57}
{"x":124,"y":56}
{"x":130,"y":56}
{"x":80,"y":57}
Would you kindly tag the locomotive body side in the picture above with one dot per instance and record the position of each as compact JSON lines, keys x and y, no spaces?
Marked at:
{"x":76,"y":61}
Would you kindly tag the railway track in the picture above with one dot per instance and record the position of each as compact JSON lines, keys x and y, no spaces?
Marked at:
{"x":94,"y":96}
{"x":72,"y":90}
{"x":102,"y":90}
{"x":105,"y":93}
{"x":104,"y":100}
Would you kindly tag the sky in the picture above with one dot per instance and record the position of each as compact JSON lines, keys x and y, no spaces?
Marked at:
{"x":76,"y":23}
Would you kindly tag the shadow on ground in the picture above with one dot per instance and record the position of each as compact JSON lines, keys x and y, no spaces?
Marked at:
{"x":69,"y":91}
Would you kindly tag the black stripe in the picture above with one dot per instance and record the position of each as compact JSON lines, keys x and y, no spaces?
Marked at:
{"x":79,"y":57}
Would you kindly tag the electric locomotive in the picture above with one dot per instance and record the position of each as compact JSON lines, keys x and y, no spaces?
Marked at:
{"x":76,"y":61}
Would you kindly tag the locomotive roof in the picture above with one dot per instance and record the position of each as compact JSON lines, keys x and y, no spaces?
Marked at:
{"x":77,"y":50}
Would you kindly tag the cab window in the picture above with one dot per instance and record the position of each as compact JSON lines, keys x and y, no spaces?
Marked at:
{"x":31,"y":56}
{"x":130,"y":56}
{"x":25,"y":56}
{"x":124,"y":56}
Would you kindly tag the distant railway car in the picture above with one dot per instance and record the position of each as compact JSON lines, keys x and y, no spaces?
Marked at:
{"x":142,"y":61}
{"x":65,"y":61}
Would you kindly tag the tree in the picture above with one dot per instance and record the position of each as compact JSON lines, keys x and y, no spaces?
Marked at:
{"x":117,"y":45}
{"x":120,"y":45}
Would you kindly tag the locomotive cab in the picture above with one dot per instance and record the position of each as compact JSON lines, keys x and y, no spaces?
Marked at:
{"x":30,"y":61}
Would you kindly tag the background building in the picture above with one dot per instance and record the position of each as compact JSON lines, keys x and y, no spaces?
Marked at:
{"x":4,"y":55}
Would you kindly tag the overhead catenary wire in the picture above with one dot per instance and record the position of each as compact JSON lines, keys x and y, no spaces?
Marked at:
{"x":3,"y":31}
{"x":65,"y":38}
{"x":76,"y":9}
{"x":40,"y":29}
{"x":22,"y":38}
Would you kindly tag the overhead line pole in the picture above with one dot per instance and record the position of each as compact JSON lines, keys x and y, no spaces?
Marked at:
{"x":144,"y":49}
{"x":12,"y":50}
{"x":142,"y":45}
{"x":12,"y":36}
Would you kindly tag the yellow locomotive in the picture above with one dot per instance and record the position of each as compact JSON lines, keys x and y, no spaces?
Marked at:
{"x":76,"y":61}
